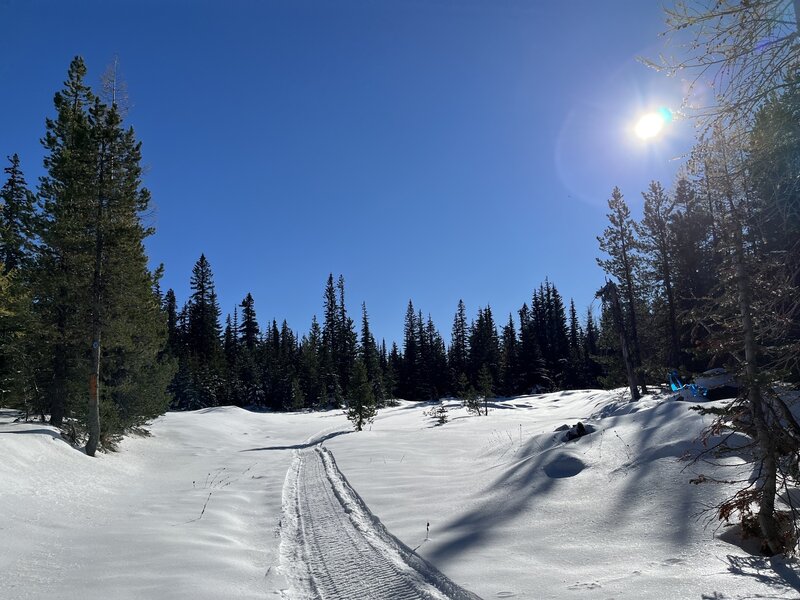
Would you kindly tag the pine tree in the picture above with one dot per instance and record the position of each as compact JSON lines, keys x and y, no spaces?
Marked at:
{"x":368,"y":354}
{"x":458,"y":353}
{"x":248,"y":329}
{"x":362,"y":403}
{"x":248,"y":334}
{"x":409,"y":372}
{"x":61,"y":274}
{"x":170,"y":307}
{"x":347,"y":347}
{"x":17,"y":339}
{"x":509,"y":359}
{"x":619,"y":243}
{"x":694,"y":265}
{"x":96,"y":294}
{"x":311,"y":366}
{"x":331,"y":343}
{"x":17,"y":218}
{"x":656,"y":242}
{"x":591,"y":368}
{"x":532,"y":370}
{"x":391,"y":377}
{"x":231,"y":390}
{"x":203,"y":335}
{"x":575,"y":373}
{"x":485,"y":387}
{"x":484,"y":347}
{"x":437,"y":368}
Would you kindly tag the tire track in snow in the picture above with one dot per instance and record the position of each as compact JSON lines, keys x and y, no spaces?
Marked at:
{"x":333,"y":547}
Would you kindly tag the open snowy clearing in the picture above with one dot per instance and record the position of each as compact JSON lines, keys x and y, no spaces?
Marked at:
{"x":224,"y":503}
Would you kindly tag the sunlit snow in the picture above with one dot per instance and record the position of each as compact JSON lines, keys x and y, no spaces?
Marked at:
{"x":195,"y":510}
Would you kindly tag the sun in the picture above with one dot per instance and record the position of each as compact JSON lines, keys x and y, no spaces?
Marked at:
{"x":651,"y":124}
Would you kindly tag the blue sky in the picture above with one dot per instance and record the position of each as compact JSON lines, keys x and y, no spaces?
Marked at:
{"x":427,"y":150}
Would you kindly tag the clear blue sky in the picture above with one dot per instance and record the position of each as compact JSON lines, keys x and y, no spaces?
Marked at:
{"x":427,"y":150}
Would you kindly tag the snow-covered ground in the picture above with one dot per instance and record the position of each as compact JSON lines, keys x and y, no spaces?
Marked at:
{"x":218,"y":503}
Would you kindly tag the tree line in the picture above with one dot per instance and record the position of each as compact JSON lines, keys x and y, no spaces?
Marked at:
{"x":276,"y":368}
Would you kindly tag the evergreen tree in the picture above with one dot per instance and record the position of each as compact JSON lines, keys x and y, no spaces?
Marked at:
{"x":484,"y":347}
{"x":437,"y":372}
{"x":591,"y":368}
{"x":248,"y":338}
{"x":202,"y":338}
{"x":619,"y":243}
{"x":170,"y":307}
{"x":694,"y":265}
{"x":362,"y":403}
{"x":391,"y":377}
{"x":485,"y":387}
{"x":575,"y":372}
{"x":311,"y":378}
{"x":18,"y":349}
{"x":509,"y":359}
{"x":458,"y":353}
{"x":18,"y":355}
{"x":532,"y":370}
{"x":61,"y":273}
{"x":17,"y":218}
{"x":248,"y":329}
{"x":347,"y":346}
{"x":656,"y":242}
{"x":96,"y":296}
{"x":368,"y":354}
{"x":409,"y":372}
{"x":231,"y":390}
{"x":331,"y":343}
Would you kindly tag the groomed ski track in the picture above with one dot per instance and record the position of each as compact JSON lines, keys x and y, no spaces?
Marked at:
{"x":333,"y":547}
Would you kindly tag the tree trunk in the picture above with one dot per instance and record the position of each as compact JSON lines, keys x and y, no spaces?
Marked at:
{"x":636,"y":359}
{"x":674,"y":347}
{"x":97,"y":323}
{"x":609,"y":293}
{"x":57,"y":389}
{"x":766,"y":443}
{"x":94,"y":398}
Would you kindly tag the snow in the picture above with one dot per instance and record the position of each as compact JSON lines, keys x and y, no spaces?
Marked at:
{"x":195,"y":510}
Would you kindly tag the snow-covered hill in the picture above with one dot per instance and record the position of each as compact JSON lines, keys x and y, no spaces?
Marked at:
{"x":199,"y":508}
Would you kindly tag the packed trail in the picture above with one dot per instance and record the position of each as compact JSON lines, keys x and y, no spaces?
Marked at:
{"x":334,"y":547}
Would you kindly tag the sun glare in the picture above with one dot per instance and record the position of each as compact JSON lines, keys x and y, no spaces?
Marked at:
{"x":650,"y":125}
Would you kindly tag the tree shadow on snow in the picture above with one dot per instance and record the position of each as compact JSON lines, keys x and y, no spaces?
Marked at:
{"x":301,"y":446}
{"x":774,"y":572}
{"x":507,"y":496}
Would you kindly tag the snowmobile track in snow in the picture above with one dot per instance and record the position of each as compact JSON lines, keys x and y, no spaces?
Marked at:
{"x":333,"y":547}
